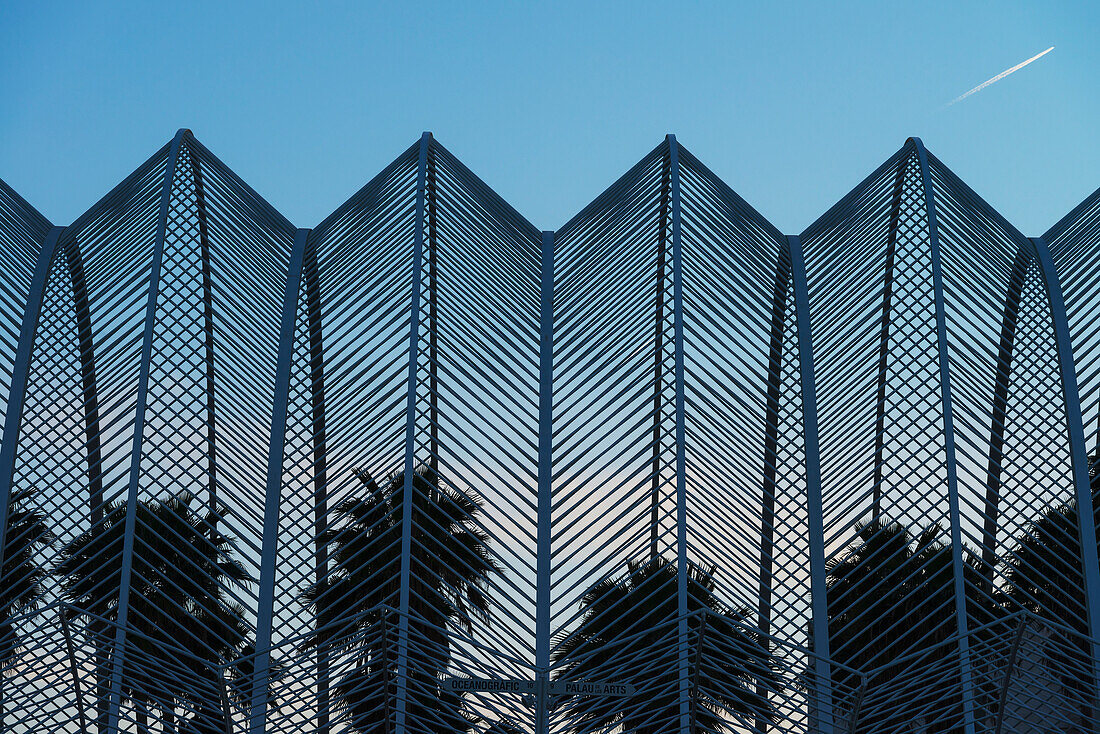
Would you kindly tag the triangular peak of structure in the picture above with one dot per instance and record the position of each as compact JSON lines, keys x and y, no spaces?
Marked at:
{"x":394,"y":183}
{"x":633,"y":189}
{"x":403,"y":175}
{"x":865,"y":196}
{"x":699,"y":181}
{"x":957,"y":202}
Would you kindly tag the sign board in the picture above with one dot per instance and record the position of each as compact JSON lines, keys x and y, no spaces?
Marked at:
{"x":590,"y":688}
{"x":520,"y":685}
{"x":489,"y":685}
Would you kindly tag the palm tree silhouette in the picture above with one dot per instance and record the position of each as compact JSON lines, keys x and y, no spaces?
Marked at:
{"x":27,"y":536}
{"x":628,"y":633}
{"x":1044,"y":574}
{"x":892,"y":614}
{"x":504,"y":726}
{"x":183,"y":621}
{"x":209,"y":717}
{"x":356,"y":605}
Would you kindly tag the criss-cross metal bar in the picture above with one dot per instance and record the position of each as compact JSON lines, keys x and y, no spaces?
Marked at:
{"x":819,"y":619}
{"x":208,"y":335}
{"x":74,"y":667}
{"x":949,"y":445}
{"x":119,"y":652}
{"x":884,"y":339}
{"x":544,"y":550}
{"x":312,"y":278}
{"x":769,"y":470}
{"x":1010,"y":668}
{"x":408,"y":501}
{"x":15,"y":403}
{"x":1082,"y":486}
{"x":86,"y":341}
{"x":21,"y":366}
{"x":273,"y":494}
{"x":683,"y":667}
{"x":991,"y":514}
{"x":665,"y":450}
{"x":659,"y":355}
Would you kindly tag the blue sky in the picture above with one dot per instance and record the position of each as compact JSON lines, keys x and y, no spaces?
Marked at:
{"x":792,"y":104}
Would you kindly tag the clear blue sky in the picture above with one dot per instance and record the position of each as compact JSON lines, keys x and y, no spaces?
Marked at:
{"x":792,"y":104}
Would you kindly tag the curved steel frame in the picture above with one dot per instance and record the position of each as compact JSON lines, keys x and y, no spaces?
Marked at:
{"x":1083,"y":494}
{"x":576,"y":397}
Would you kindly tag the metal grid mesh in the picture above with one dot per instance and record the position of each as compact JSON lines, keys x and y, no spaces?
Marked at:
{"x":22,"y":232}
{"x":425,"y":469}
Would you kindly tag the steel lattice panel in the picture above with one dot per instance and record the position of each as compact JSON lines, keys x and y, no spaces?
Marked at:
{"x":267,"y":479}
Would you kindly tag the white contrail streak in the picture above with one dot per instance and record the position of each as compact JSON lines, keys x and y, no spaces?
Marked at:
{"x":1000,"y":76}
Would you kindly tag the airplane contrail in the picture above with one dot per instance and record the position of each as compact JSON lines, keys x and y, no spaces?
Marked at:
{"x":1000,"y":76}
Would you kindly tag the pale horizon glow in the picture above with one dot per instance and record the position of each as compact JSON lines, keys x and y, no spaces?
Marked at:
{"x":1000,"y":76}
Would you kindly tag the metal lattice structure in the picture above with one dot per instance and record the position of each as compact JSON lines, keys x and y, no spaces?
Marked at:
{"x":423,"y":468}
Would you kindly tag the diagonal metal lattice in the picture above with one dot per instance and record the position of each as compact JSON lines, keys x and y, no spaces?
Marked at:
{"x":423,"y":468}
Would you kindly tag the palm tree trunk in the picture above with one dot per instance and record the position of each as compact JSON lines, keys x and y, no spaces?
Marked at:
{"x":142,"y":717}
{"x":695,"y":695}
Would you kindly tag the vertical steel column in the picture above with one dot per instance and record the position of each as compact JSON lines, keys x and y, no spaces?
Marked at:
{"x":1094,"y":458}
{"x":815,"y":508}
{"x":119,"y":661}
{"x":658,"y":362}
{"x":74,"y":668}
{"x":684,"y":663}
{"x":545,"y":487}
{"x":1000,"y":415}
{"x":773,"y":376}
{"x":853,"y":719}
{"x":1010,"y":666}
{"x":257,"y":717}
{"x":223,"y":694}
{"x":208,"y":338}
{"x":410,"y":441}
{"x":319,"y":435}
{"x":1079,"y":460}
{"x":433,"y":323}
{"x":884,"y":335}
{"x":92,"y":444}
{"x":949,"y":444}
{"x":88,"y":377}
{"x":700,"y":640}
